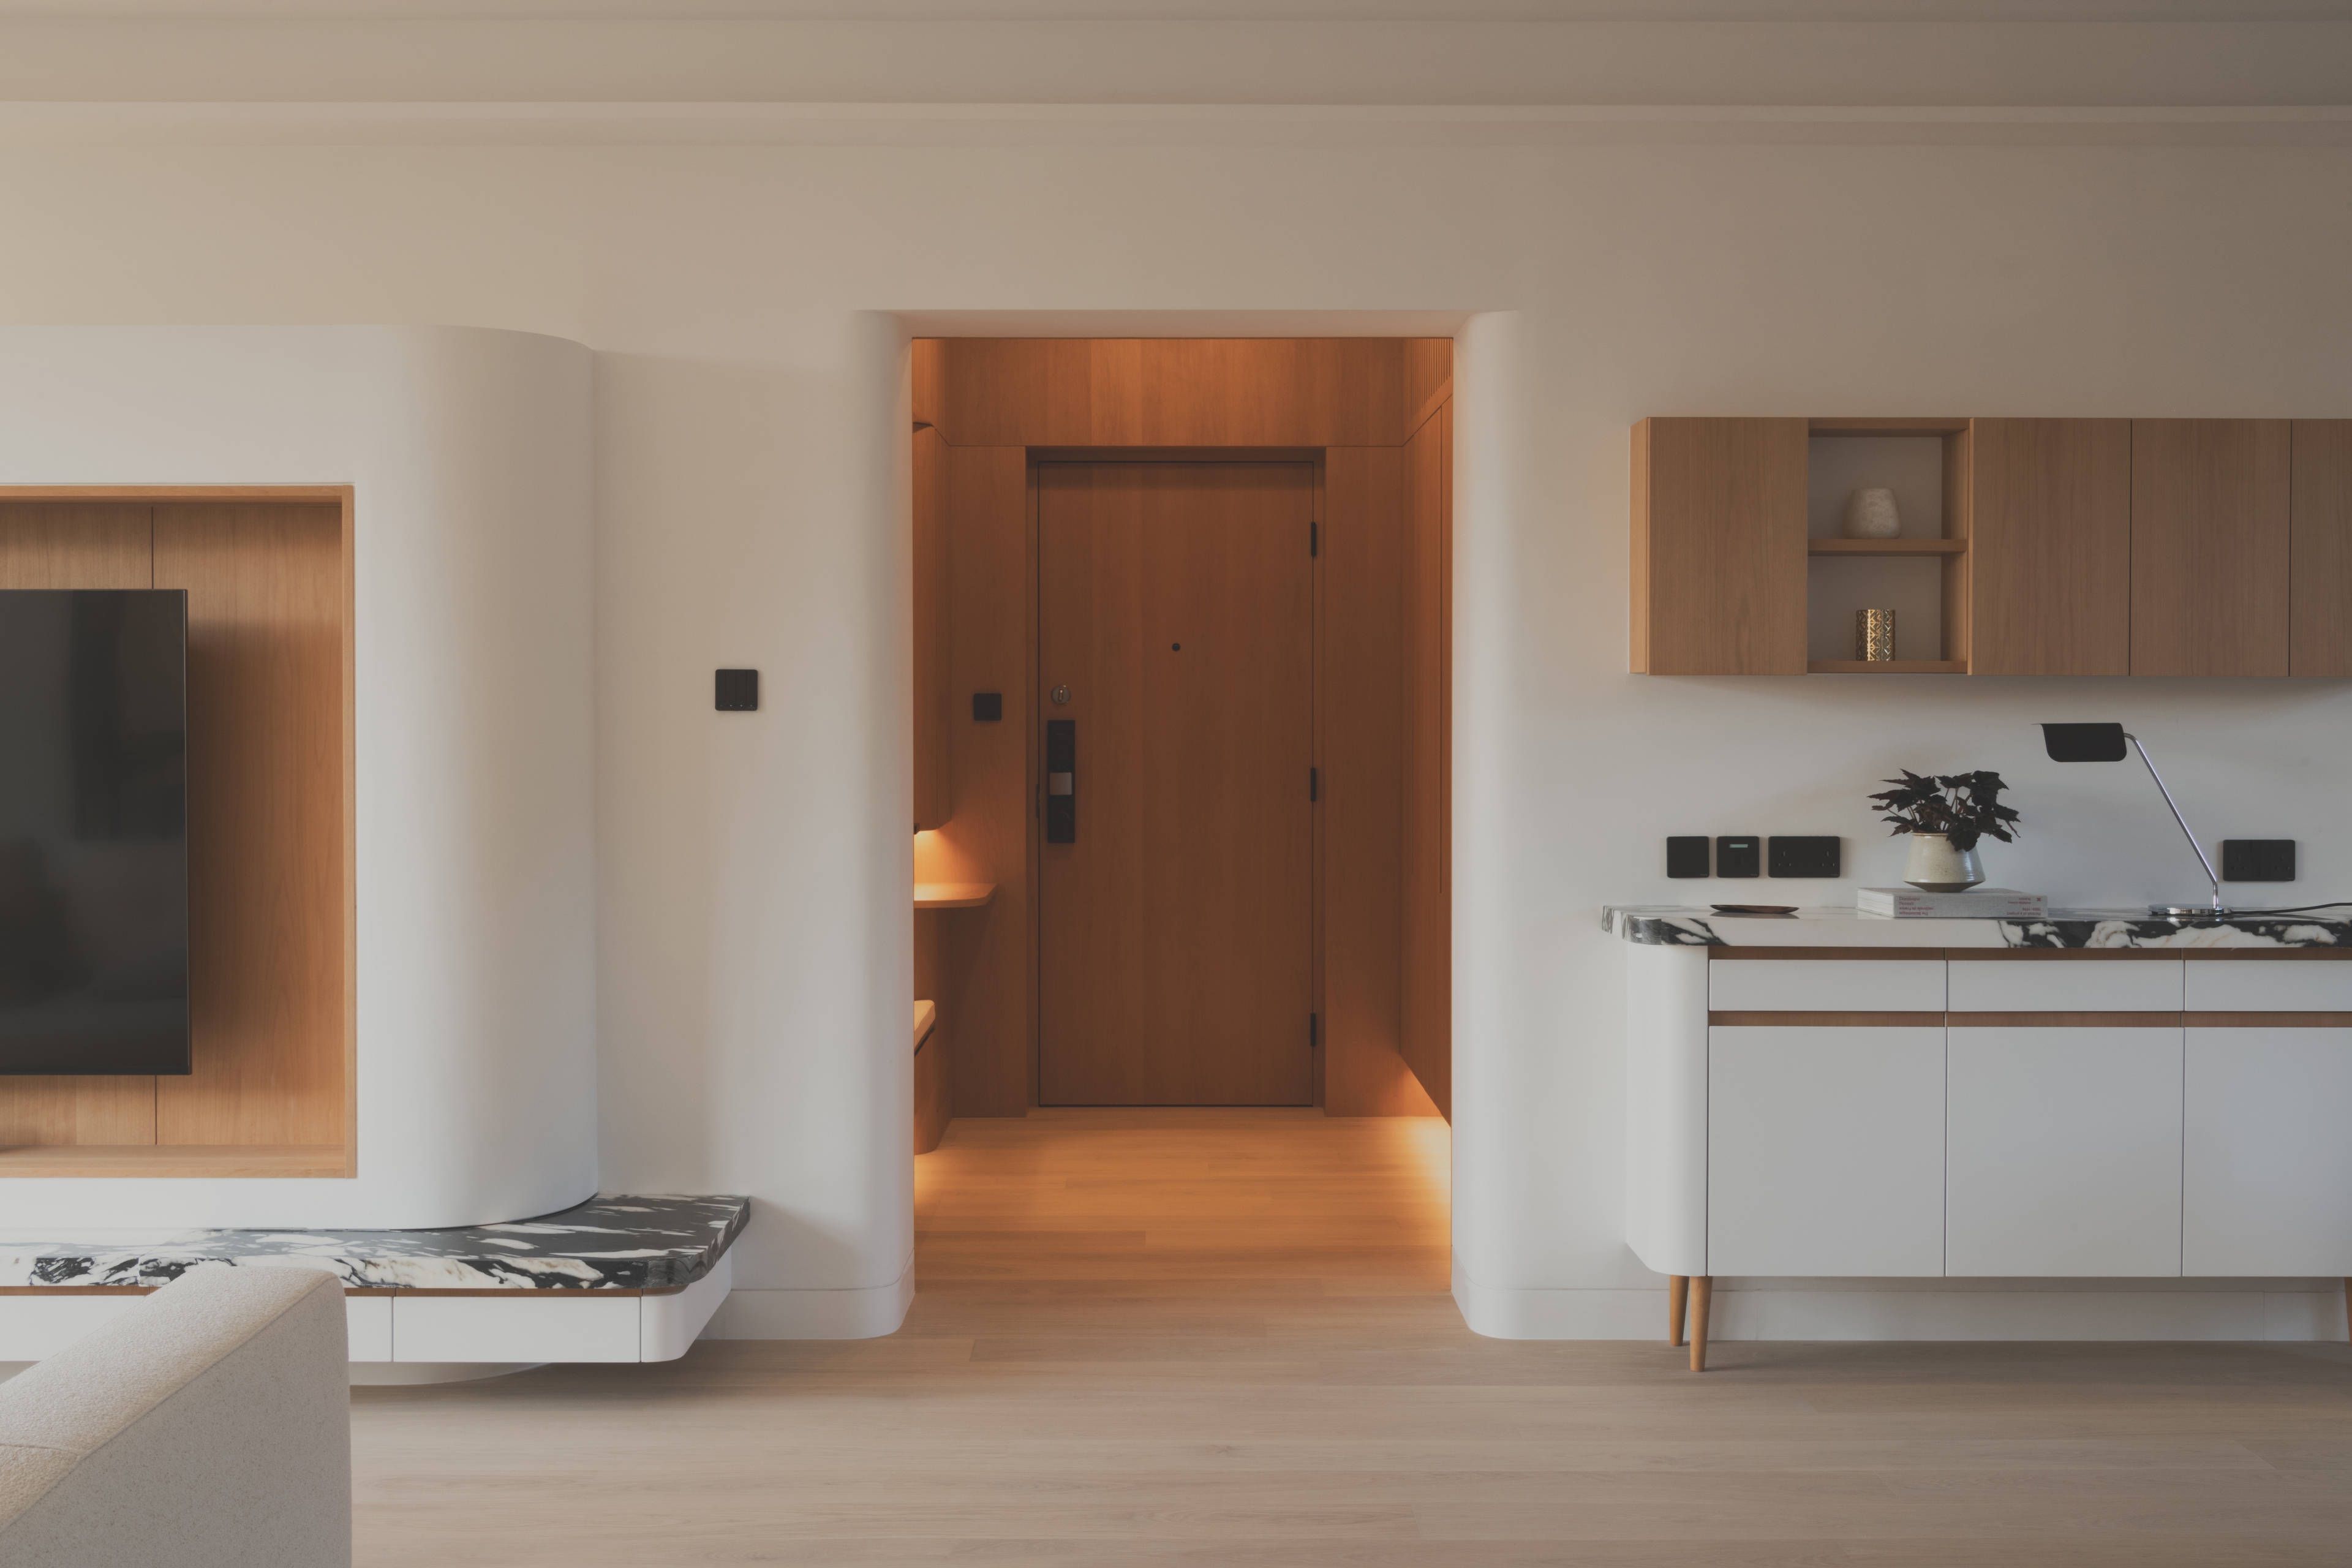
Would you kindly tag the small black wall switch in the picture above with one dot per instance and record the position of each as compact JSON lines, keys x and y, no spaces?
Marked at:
{"x":1686,"y":855}
{"x":2258,"y":860}
{"x":1789,"y":857}
{"x":739,"y":690}
{"x":1738,"y":857}
{"x":987,"y":707}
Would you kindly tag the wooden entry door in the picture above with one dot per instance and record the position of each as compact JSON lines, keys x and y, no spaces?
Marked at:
{"x":1176,"y":604}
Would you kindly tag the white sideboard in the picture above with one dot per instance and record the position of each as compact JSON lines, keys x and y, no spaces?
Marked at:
{"x":1831,"y":1110}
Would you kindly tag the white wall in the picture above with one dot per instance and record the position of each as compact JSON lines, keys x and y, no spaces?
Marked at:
{"x":750,"y":972}
{"x":468,"y":455}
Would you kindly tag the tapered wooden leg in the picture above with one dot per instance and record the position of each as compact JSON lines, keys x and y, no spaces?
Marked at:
{"x":1702,"y":1287}
{"x":1678,"y":1297}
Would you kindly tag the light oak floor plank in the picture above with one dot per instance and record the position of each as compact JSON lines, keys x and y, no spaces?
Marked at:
{"x":1160,"y":1338}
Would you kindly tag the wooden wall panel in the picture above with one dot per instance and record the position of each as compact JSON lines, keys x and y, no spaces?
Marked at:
{"x":988,"y":963}
{"x":934,"y":768}
{"x":2049,"y":547}
{"x":1428,"y":380}
{"x":1174,"y":391}
{"x":2210,"y":547}
{"x":1424,"y":999}
{"x":2321,"y":548}
{"x":76,"y":545}
{"x":268,"y":747}
{"x":1364,"y":546}
{"x":929,"y":374}
{"x":1719,"y":547}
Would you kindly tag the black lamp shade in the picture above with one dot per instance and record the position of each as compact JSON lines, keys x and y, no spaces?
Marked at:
{"x":2084,"y":743}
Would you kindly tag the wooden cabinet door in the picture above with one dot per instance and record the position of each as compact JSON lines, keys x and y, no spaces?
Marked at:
{"x":2321,"y":548}
{"x":1719,"y":547}
{"x":1825,"y":1150}
{"x":2210,"y":547}
{"x":2266,"y":1186}
{"x":934,"y":793}
{"x":2049,"y":546}
{"x":2064,"y":1151}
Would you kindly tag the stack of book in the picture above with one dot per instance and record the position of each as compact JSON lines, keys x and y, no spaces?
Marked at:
{"x":1977,"y":903}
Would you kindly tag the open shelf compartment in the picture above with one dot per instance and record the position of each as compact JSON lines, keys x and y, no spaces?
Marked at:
{"x":1922,"y":576}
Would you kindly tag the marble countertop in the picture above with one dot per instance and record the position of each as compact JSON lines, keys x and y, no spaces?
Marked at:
{"x":605,"y":1244}
{"x":1683,"y":925}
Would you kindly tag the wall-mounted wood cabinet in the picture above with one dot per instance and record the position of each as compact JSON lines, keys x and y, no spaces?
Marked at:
{"x":2065,"y":547}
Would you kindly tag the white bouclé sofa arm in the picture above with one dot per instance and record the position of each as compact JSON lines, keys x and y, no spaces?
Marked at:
{"x":209,"y":1426}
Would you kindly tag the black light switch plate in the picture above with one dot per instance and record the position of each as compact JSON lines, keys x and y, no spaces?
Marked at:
{"x":2258,"y":860}
{"x":1800,"y":856}
{"x":739,"y":690}
{"x":1738,"y":857}
{"x":1686,"y":855}
{"x":987,"y":707}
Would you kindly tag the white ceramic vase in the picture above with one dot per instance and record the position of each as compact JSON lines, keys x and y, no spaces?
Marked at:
{"x":1934,"y":867}
{"x":1871,"y":514}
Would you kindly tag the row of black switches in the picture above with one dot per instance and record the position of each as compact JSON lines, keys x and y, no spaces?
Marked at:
{"x":1738,"y":857}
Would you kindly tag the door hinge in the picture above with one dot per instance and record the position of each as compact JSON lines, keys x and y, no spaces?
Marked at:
{"x":1313,"y":1030}
{"x":1314,"y":539}
{"x":1314,"y":783}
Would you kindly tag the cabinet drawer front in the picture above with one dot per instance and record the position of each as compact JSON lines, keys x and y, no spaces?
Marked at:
{"x":1826,"y":984}
{"x":2267,"y":1180}
{"x":1825,"y":1150}
{"x":2066,"y":985}
{"x":2256,"y":985}
{"x":2064,"y":1153}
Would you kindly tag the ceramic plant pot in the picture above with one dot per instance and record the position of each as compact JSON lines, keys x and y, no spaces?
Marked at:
{"x":1871,"y":514}
{"x":1934,"y":867}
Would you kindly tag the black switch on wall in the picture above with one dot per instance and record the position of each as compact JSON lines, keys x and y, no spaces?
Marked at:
{"x":1803,"y":856}
{"x":2258,"y":860}
{"x":1737,"y":858}
{"x":1686,"y":855}
{"x":987,"y":707}
{"x":739,"y":690}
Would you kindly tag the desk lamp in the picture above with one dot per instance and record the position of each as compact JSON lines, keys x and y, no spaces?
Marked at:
{"x":2105,"y":743}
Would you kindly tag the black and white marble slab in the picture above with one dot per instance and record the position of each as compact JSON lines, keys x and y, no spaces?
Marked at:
{"x":653,"y":1243}
{"x":1676,"y":925}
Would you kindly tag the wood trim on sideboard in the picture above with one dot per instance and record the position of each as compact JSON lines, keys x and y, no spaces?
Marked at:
{"x":1826,"y":1020}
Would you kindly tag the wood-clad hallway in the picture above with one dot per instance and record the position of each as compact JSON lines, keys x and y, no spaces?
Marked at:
{"x":1223,"y":1337}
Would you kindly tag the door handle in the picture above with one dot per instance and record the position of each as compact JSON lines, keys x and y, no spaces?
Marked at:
{"x":1061,"y":781}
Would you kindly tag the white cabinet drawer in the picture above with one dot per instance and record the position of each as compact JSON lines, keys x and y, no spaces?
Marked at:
{"x":2064,"y":1151}
{"x":2270,"y":986}
{"x":2267,"y":1187}
{"x":2066,"y":985}
{"x":1826,"y":984}
{"x":1825,"y":1150}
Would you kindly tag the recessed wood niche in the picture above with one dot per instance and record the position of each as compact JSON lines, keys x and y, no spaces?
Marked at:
{"x":268,"y":572}
{"x":1373,"y":418}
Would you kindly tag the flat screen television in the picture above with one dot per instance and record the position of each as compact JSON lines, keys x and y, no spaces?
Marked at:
{"x":93,"y":830}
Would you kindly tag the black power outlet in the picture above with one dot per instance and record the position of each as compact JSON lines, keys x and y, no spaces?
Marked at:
{"x":1791,"y":857}
{"x":1738,"y":857}
{"x":2258,"y":860}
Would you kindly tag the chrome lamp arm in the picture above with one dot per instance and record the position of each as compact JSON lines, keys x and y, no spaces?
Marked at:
{"x":2212,"y":876}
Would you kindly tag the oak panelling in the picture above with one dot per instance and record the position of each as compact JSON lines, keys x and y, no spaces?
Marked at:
{"x":1363,"y":787}
{"x":267,"y":829}
{"x":2210,"y":547}
{"x":1428,"y":380}
{"x":932,"y":1109}
{"x":70,"y":544}
{"x":1176,"y":601}
{"x":1959,"y":506}
{"x":988,"y":969}
{"x":1719,"y":547}
{"x":2321,"y":549}
{"x":1424,"y":1002}
{"x":928,"y":375}
{"x":2049,"y":546}
{"x":934,"y":768}
{"x":1174,"y":391}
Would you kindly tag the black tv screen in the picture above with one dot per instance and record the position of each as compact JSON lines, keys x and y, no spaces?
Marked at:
{"x":93,"y":830}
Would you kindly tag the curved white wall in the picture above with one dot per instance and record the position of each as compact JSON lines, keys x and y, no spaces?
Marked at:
{"x":470,"y":453}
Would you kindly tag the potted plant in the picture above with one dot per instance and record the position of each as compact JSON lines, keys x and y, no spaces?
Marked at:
{"x":1944,"y":817}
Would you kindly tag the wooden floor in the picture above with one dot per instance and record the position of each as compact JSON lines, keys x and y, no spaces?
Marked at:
{"x":1222,"y":1337}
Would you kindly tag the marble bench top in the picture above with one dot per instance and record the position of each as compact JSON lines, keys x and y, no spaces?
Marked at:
{"x":605,"y":1244}
{"x":1678,"y":925}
